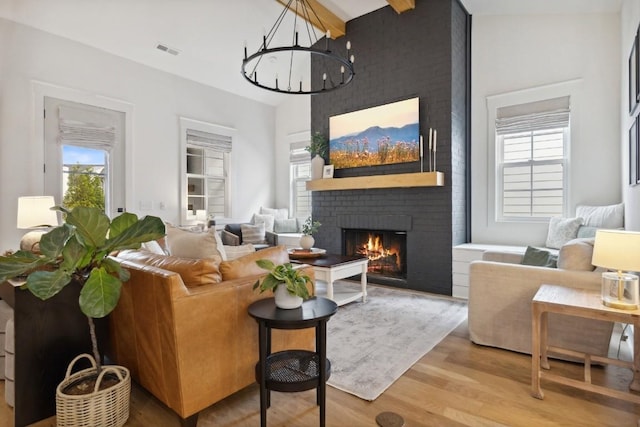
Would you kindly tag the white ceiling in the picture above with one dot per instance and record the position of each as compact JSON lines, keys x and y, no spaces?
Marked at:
{"x":210,"y":34}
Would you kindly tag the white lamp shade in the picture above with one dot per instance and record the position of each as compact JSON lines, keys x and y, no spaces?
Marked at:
{"x":617,"y":250}
{"x":35,"y":211}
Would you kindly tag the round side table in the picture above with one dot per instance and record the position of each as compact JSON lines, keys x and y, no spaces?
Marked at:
{"x":292,"y":370}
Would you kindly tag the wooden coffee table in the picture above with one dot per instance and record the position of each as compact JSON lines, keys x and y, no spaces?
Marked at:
{"x":328,"y":268}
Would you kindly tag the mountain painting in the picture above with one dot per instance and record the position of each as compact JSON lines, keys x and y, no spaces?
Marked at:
{"x":380,"y":135}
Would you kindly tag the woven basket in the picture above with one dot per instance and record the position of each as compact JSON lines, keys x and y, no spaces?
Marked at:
{"x":104,"y":408}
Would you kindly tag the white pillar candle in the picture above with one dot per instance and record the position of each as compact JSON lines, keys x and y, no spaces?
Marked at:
{"x":421,"y":149}
{"x":435,"y":137}
{"x":430,"y":138}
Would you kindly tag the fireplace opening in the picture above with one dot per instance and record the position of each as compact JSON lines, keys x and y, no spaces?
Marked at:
{"x":385,"y":249}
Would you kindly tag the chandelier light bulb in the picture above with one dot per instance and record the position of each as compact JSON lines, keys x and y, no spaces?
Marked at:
{"x":348,"y":45}
{"x":352,"y":59}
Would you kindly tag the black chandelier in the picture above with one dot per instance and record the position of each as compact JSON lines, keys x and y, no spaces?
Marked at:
{"x":279,"y":67}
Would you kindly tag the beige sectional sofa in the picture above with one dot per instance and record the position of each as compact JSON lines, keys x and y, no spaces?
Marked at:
{"x":500,"y":294}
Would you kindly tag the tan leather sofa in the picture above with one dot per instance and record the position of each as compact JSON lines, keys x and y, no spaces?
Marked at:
{"x":185,"y":334}
{"x":500,"y":294}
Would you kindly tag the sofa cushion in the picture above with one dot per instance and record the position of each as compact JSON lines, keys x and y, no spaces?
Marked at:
{"x":246,"y":266}
{"x":561,"y":230}
{"x":194,"y":272}
{"x":539,"y":257}
{"x":253,"y":233}
{"x":611,"y":216}
{"x":586,"y":232}
{"x":265,"y":219}
{"x":576,"y":255}
{"x":289,"y":225}
{"x":189,"y":244}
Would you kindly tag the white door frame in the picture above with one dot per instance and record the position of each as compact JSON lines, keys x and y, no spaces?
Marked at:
{"x":40,"y":90}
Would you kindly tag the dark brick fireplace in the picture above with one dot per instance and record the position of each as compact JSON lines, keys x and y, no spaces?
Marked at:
{"x":425,"y":53}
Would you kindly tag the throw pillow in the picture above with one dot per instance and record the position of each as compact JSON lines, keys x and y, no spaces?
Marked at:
{"x":561,"y":230}
{"x":611,"y":216}
{"x":253,"y":233}
{"x":219,"y":245}
{"x":282,"y":213}
{"x":586,"y":232}
{"x":267,"y":220}
{"x":246,"y":266}
{"x":194,"y":272}
{"x":539,"y":257}
{"x":188,"y":244}
{"x":576,"y":255}
{"x":235,"y":252}
{"x":153,"y":246}
{"x":289,"y":225}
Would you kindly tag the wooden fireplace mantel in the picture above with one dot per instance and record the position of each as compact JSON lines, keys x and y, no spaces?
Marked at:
{"x":401,"y":180}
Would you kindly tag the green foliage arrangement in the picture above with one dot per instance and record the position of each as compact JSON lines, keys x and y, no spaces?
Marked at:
{"x":79,"y":251}
{"x":319,"y":145}
{"x":309,"y":226}
{"x":295,"y":281}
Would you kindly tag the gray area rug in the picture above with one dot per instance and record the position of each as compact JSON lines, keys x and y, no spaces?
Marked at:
{"x":370,"y":345}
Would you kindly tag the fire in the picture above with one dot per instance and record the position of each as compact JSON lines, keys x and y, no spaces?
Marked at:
{"x":377,"y":253}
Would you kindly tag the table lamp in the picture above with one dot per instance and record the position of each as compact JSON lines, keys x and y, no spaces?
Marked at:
{"x":34,"y":213}
{"x":618,"y":250}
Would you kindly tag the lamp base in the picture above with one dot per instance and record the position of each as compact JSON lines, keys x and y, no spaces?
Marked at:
{"x":30,"y":242}
{"x":620,"y":290}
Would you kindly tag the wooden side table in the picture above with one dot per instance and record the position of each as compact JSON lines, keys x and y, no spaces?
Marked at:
{"x":581,"y":303}
{"x":292,"y":370}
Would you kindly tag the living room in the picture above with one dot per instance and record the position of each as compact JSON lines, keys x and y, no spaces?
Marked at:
{"x":512,"y":52}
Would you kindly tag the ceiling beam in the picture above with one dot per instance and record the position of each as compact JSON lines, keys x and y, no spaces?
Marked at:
{"x":336,"y":25}
{"x":402,"y":5}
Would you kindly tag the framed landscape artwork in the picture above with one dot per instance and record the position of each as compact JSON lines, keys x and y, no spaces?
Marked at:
{"x":379,"y":135}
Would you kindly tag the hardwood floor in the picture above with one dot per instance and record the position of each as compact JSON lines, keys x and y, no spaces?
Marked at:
{"x":456,"y":384}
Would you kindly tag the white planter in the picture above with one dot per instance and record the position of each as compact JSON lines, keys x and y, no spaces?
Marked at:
{"x":317,"y":164}
{"x":307,"y":241}
{"x":285,"y":300}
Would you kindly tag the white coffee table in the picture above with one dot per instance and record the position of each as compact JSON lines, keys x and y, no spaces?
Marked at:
{"x":328,"y":268}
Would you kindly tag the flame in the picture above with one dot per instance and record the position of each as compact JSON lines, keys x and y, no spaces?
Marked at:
{"x":375,"y":251}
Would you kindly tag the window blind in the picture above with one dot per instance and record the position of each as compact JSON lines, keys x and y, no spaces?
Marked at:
{"x":214,"y":141}
{"x":548,"y":114}
{"x":86,"y":128}
{"x":298,"y":154}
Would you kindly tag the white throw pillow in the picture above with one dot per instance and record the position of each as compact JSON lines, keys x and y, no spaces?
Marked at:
{"x":153,"y":247}
{"x":561,"y":230}
{"x":289,"y":225}
{"x":266,"y":219}
{"x":281,"y":213}
{"x":235,"y":252}
{"x":189,"y":244}
{"x":611,"y":216}
{"x":253,"y":233}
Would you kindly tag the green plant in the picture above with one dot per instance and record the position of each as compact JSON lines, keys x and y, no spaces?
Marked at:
{"x":78,"y":250}
{"x":319,"y":145}
{"x":309,"y":226}
{"x":295,"y":281}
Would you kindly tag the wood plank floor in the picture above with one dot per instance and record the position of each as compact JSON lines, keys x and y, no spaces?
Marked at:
{"x":456,"y":384}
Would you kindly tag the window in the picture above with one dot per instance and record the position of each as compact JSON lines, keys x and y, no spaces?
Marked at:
{"x":300,"y":173}
{"x":207,"y":150}
{"x":532,"y":146}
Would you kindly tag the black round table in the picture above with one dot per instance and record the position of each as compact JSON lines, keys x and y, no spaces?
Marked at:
{"x":292,"y":370}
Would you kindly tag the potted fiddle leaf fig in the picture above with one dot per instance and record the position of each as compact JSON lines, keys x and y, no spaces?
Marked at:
{"x":78,"y":251}
{"x":288,"y":284}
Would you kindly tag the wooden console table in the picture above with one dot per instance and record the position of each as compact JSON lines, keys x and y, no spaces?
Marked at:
{"x":582,"y":303}
{"x":48,"y":335}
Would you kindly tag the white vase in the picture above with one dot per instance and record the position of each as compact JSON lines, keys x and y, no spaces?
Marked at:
{"x":286,"y":300}
{"x":307,"y":241}
{"x":317,"y":164}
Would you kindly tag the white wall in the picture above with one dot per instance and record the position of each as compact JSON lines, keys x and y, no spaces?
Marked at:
{"x":512,"y":53}
{"x":293,"y":123}
{"x":157,"y":99}
{"x":630,"y":17}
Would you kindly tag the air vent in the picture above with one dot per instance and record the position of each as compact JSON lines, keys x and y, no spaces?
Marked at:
{"x":165,"y":48}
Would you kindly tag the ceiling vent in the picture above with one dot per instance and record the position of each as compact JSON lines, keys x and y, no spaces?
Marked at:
{"x":165,"y":48}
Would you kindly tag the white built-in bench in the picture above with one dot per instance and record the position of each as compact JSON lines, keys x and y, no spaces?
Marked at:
{"x":462,"y":255}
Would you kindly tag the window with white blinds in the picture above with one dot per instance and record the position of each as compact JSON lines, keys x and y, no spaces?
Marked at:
{"x":532,"y":141}
{"x":300,"y":162}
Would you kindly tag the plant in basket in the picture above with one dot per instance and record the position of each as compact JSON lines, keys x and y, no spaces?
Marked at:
{"x":78,"y":251}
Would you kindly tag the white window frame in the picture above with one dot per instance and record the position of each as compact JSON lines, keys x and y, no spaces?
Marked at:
{"x":296,"y":179}
{"x":500,"y":179}
{"x":571,"y":88}
{"x":296,"y":140}
{"x":187,"y":124}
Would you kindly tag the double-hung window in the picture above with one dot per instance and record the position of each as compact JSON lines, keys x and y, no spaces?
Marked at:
{"x":300,"y":162}
{"x":532,"y":146}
